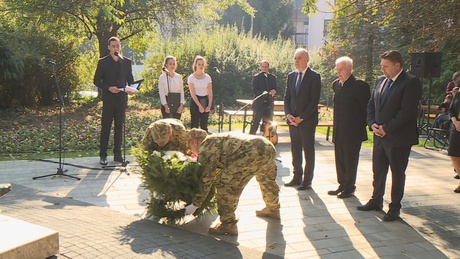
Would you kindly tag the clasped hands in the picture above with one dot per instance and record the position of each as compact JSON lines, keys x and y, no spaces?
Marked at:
{"x":378,"y":130}
{"x":294,"y":121}
{"x":207,"y":109}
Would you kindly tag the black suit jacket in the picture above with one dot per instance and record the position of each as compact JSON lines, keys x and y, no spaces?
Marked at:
{"x":305,"y":104}
{"x":260,"y":83}
{"x":398,"y":113}
{"x":350,"y":109}
{"x":112,"y":73}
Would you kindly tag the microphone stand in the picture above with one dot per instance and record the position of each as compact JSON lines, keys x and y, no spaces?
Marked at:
{"x":246,"y":105}
{"x":60,"y":169}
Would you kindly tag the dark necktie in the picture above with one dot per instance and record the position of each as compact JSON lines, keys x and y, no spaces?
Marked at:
{"x":386,"y":87}
{"x":297,"y":84}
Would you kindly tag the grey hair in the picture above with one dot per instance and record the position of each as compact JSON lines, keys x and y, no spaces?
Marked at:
{"x":346,"y":60}
{"x":299,"y":50}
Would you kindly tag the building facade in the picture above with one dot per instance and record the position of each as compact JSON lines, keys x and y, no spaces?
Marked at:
{"x":311,"y":32}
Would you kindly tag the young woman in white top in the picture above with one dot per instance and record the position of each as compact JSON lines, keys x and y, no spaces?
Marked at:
{"x":200,"y":85}
{"x":170,"y":82}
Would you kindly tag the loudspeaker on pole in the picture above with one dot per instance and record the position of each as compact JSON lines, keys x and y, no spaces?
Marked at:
{"x":426,"y":64}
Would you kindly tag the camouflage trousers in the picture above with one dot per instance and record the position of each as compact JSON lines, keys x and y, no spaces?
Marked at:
{"x":232,"y":180}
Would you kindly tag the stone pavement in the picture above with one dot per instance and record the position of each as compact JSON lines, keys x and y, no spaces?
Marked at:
{"x":103,"y":214}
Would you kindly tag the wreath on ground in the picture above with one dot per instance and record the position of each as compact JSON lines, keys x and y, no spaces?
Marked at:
{"x":173,"y":180}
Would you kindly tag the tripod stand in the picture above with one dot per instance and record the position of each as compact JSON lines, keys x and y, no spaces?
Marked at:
{"x":60,"y":169}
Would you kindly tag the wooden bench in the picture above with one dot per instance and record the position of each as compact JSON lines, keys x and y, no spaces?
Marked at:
{"x":327,"y":124}
{"x":245,"y":114}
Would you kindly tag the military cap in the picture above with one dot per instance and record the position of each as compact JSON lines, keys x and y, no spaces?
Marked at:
{"x":160,"y":131}
{"x":198,"y":134}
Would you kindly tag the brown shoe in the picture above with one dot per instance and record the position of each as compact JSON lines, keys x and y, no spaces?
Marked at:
{"x":265,"y":212}
{"x":224,"y":229}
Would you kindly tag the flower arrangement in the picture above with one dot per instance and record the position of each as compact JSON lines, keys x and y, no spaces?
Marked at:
{"x":173,"y":179}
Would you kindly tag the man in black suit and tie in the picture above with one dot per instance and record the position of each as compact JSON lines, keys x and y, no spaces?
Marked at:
{"x":351,"y":96}
{"x":301,"y":100}
{"x":392,"y":116}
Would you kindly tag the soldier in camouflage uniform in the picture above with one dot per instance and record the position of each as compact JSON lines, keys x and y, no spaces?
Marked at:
{"x":231,"y":160}
{"x":165,"y":134}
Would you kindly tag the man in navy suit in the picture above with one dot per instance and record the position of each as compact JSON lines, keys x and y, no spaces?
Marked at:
{"x":301,"y":99}
{"x":392,"y":116}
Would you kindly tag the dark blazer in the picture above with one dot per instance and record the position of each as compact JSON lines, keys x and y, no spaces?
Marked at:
{"x":305,"y":104}
{"x":260,"y":83}
{"x":350,"y":109}
{"x":398,"y":112}
{"x":109,"y":72}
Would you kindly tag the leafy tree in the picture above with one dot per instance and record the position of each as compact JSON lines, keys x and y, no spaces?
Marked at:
{"x":121,"y":18}
{"x":271,"y":18}
{"x":363,"y":29}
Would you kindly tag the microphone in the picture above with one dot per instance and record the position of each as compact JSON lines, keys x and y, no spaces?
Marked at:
{"x":216,"y":70}
{"x":165,"y":69}
{"x":118,"y":55}
{"x":49,"y":61}
{"x":260,"y":95}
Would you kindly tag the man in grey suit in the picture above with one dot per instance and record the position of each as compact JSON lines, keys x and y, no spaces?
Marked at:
{"x":301,"y":100}
{"x":392,"y":116}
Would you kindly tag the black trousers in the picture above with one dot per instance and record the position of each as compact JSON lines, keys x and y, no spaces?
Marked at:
{"x":303,"y":139}
{"x":199,"y":119}
{"x":397,"y":159}
{"x":113,"y":109}
{"x":346,"y":164}
{"x":261,"y":112}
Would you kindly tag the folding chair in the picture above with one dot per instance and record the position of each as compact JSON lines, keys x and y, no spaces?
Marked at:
{"x":439,"y":137}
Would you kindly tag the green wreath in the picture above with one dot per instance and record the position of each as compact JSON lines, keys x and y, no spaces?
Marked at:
{"x":173,"y":180}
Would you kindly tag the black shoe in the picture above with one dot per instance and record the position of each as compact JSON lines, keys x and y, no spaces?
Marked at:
{"x":344,"y":195}
{"x":292,"y":183}
{"x":103,"y":161}
{"x":456,"y":176}
{"x":391,"y":215}
{"x":335,"y":192}
{"x":370,"y":206}
{"x":304,"y":187}
{"x":457,"y":190}
{"x":118,"y":159}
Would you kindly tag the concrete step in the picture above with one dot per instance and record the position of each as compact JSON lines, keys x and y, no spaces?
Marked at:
{"x":20,"y":239}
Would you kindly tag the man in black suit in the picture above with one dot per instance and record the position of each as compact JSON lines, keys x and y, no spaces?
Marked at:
{"x":262,"y":82}
{"x":392,"y":116}
{"x":301,"y":100}
{"x":112,"y":75}
{"x":350,"y":107}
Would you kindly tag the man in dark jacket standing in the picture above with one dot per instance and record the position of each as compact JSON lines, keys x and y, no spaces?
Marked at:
{"x":113,"y":73}
{"x":262,"y":82}
{"x":350,"y":107}
{"x":392,"y":116}
{"x":301,"y":99}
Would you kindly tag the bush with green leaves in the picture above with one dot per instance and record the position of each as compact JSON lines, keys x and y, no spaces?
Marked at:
{"x":235,"y":54}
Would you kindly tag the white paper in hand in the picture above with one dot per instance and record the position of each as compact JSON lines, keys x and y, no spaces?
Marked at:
{"x":190,"y":209}
{"x":129,"y":89}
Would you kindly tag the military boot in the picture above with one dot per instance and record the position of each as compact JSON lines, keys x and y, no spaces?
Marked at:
{"x":224,"y":229}
{"x":265,"y":212}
